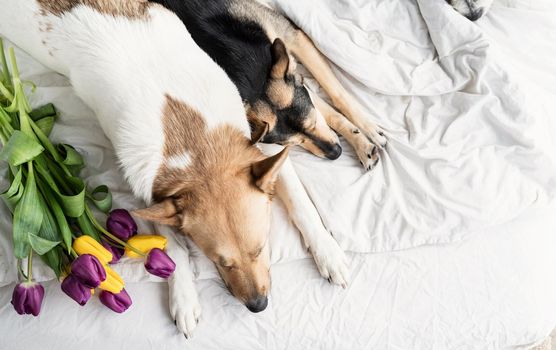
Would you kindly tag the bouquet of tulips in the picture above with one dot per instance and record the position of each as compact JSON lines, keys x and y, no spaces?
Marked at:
{"x":52,"y":209}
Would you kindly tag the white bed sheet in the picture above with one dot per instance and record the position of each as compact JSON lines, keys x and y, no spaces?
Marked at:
{"x":494,"y":290}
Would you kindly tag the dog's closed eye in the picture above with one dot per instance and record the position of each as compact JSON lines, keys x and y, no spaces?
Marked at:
{"x":225,"y":263}
{"x":257,"y":253}
{"x":259,"y":250}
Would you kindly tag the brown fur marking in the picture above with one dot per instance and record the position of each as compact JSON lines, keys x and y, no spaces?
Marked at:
{"x":280,"y":93}
{"x":133,"y":9}
{"x":215,"y":197}
{"x":281,"y":59}
{"x":260,"y":111}
{"x":213,"y":153}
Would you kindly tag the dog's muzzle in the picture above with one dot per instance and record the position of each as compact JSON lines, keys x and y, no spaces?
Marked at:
{"x":334,"y":152}
{"x":257,"y":304}
{"x":475,"y":14}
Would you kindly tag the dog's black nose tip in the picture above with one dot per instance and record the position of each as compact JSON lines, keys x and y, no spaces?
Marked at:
{"x":257,"y":304}
{"x":476,"y":14}
{"x":335,"y":152}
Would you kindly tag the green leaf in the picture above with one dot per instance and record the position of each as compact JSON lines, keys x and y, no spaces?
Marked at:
{"x":6,"y":76}
{"x":46,"y":124}
{"x":74,"y":205}
{"x":70,"y":155}
{"x":14,"y":193}
{"x":27,"y":216}
{"x":72,"y":199}
{"x":41,"y":163}
{"x":46,"y":143}
{"x":54,"y":260}
{"x":102,"y":198}
{"x":5,"y":116}
{"x":49,"y":228}
{"x":71,"y":158}
{"x":87,"y":226}
{"x":47,"y":110}
{"x":40,"y":245}
{"x":60,"y":218}
{"x":20,"y":149}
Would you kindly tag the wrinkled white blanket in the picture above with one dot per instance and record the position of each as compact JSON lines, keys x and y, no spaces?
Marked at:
{"x":469,"y":113}
{"x":467,"y":147}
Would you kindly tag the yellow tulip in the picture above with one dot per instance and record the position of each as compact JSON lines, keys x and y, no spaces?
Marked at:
{"x":145,"y":243}
{"x":88,"y":245}
{"x":113,"y":282}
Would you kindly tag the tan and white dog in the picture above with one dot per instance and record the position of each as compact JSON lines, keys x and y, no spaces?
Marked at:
{"x":180,"y":132}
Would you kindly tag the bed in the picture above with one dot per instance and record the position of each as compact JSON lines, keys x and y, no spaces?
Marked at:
{"x":450,"y":239}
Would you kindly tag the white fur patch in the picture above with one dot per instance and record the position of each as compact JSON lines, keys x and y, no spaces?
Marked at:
{"x":184,"y":304}
{"x":329,"y":257}
{"x":180,"y":161}
{"x":123,"y":69}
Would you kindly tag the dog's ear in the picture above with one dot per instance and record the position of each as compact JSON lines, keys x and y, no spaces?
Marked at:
{"x":266,"y":171}
{"x":280,"y":59}
{"x":164,"y":213}
{"x":259,"y":129}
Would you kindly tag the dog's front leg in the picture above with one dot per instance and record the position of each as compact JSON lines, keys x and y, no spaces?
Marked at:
{"x":328,"y":255}
{"x":305,"y":51}
{"x":183,"y":299}
{"x":366,"y":151}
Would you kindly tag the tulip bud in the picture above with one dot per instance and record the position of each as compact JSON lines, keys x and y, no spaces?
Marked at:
{"x":159,"y":263}
{"x":116,"y":252}
{"x":121,"y":224}
{"x":88,"y":245}
{"x":145,"y":243}
{"x":27,"y":298}
{"x":76,"y":290}
{"x":117,"y":302}
{"x":88,"y":270}
{"x":113,"y":282}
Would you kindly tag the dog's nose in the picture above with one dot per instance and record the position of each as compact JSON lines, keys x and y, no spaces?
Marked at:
{"x":257,"y":304}
{"x":476,"y":14}
{"x":335,"y":152}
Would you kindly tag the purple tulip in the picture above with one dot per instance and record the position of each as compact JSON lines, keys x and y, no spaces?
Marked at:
{"x":159,"y":263}
{"x":121,"y":224}
{"x":88,"y":270}
{"x":116,"y":302}
{"x":116,"y":252}
{"x":76,"y":290}
{"x":27,"y":298}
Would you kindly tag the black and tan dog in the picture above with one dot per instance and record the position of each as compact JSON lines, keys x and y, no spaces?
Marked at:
{"x":252,"y":43}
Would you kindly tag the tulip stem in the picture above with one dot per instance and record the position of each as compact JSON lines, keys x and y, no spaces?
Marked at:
{"x":70,"y":248}
{"x":111,"y":236}
{"x":116,"y":239}
{"x":20,"y":269}
{"x":30,"y":266}
{"x":74,"y":253}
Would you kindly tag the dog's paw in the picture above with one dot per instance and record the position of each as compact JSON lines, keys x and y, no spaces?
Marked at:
{"x":375,"y":134}
{"x":184,"y":308}
{"x":330,"y":260}
{"x":367,"y":153}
